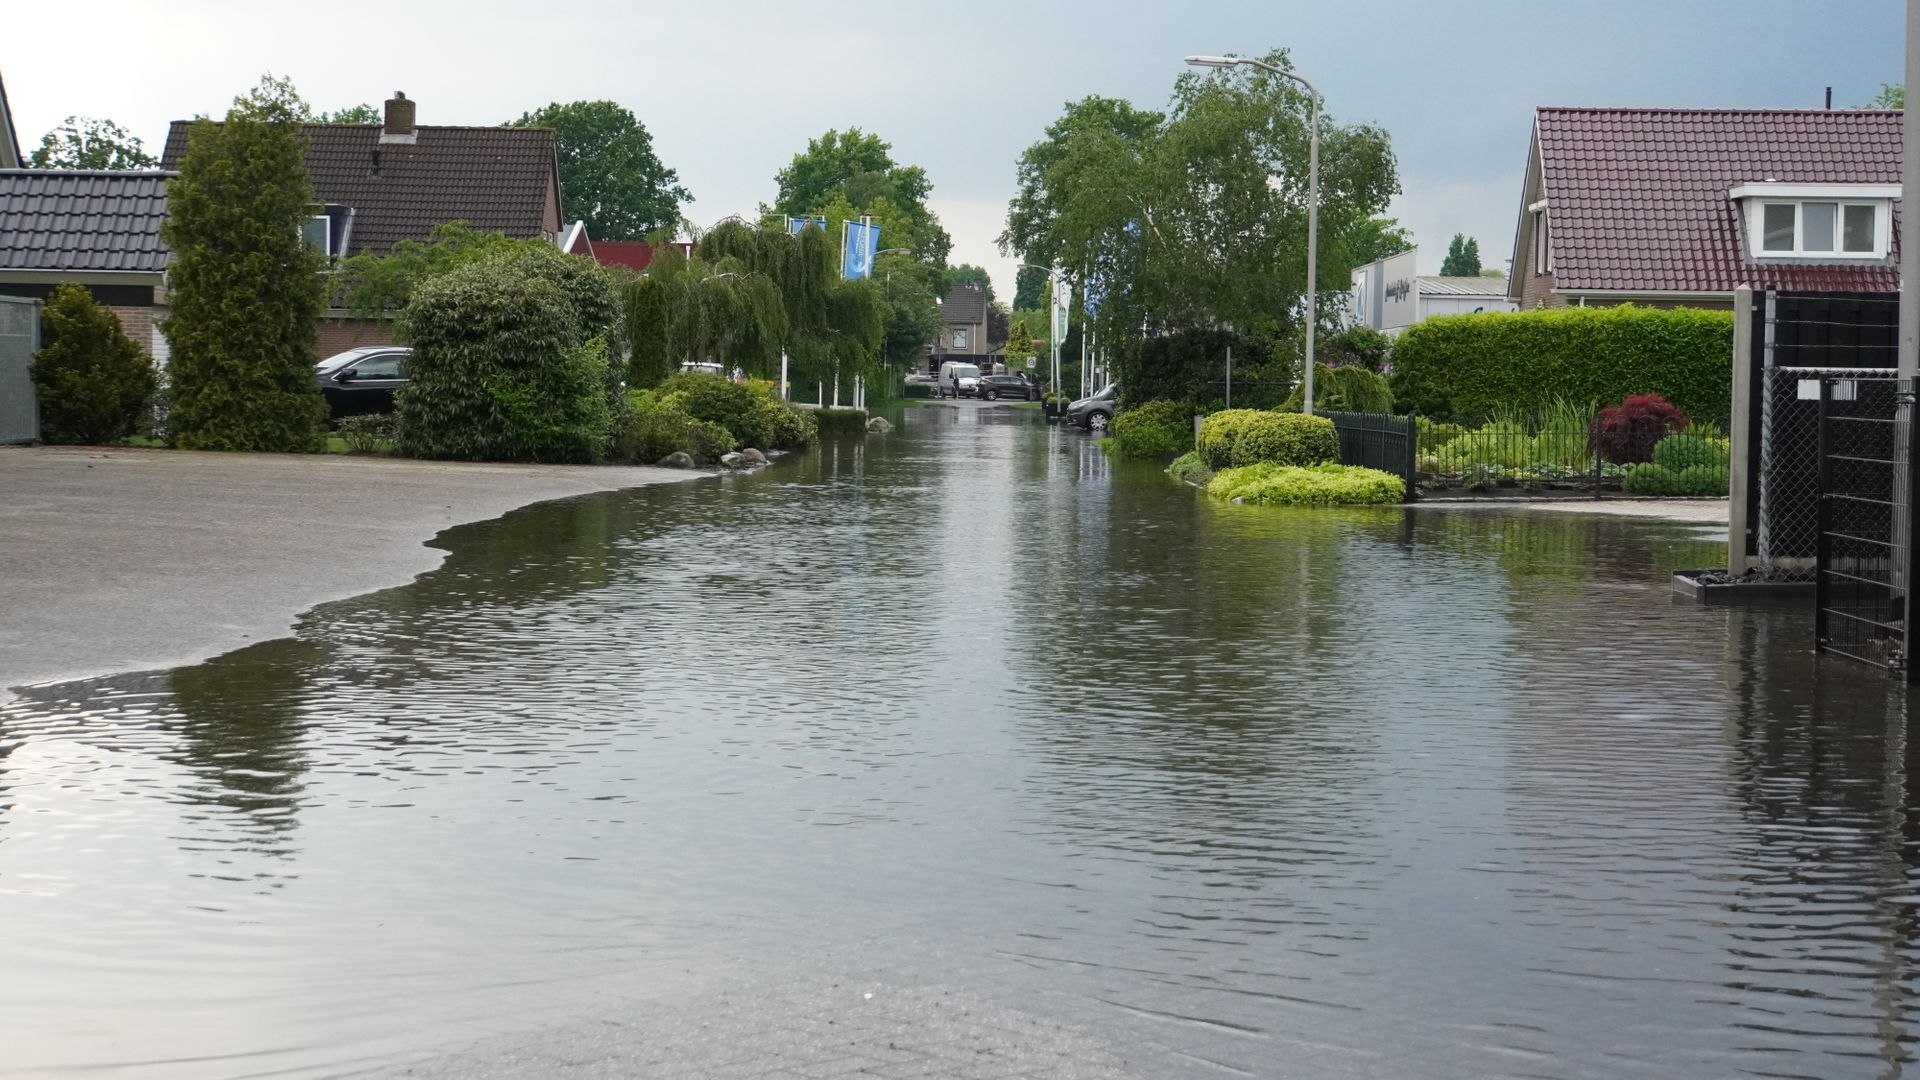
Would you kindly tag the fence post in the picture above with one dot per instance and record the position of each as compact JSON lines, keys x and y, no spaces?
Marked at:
{"x":1740,"y":432}
{"x":1821,"y":555}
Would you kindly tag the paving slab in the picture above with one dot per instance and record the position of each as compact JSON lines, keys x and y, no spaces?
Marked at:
{"x":117,"y":560}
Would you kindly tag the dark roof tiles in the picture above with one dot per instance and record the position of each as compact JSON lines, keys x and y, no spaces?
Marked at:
{"x":82,"y":221}
{"x":496,"y":179}
{"x":964,"y":305}
{"x":1637,"y":198}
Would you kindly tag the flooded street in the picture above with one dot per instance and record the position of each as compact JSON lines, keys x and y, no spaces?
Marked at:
{"x":967,"y":708}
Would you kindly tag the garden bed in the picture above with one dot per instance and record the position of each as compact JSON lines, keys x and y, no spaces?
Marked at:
{"x":1752,"y":587}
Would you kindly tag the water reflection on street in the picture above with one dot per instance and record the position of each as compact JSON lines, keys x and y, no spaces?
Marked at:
{"x":1305,"y":793}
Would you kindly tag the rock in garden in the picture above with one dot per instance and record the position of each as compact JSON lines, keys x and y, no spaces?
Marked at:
{"x":879,"y":426}
{"x":732,"y":461}
{"x":677,"y":460}
{"x":753,"y":457}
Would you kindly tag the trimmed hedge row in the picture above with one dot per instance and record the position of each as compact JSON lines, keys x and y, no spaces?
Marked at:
{"x":1236,"y":437}
{"x":1471,"y":367}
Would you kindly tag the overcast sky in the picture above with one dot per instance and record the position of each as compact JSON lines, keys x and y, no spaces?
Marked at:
{"x":732,"y":90}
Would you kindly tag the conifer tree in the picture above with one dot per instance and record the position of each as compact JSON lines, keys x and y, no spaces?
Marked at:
{"x":92,"y":380}
{"x":1463,"y":257}
{"x":243,"y":288}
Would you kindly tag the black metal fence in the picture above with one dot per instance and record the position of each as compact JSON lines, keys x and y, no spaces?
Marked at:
{"x":1859,"y":545}
{"x":1377,"y":441}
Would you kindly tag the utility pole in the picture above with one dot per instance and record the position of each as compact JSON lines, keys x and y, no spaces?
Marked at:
{"x":1904,"y":491}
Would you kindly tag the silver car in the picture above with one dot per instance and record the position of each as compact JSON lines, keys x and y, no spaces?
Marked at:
{"x":1096,"y":412}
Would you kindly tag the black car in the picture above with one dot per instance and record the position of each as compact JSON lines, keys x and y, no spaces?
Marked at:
{"x":362,"y":380}
{"x":995,"y":387}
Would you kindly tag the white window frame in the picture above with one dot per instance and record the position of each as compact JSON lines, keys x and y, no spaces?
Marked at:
{"x":1755,"y":198}
{"x":1542,"y":243}
{"x":959,"y":339}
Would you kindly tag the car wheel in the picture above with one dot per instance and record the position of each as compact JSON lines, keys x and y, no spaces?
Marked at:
{"x":1097,"y":421}
{"x":993,"y":395}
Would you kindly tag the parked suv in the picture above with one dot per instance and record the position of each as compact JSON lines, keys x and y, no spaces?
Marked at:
{"x":1094,"y":413}
{"x":995,"y":387}
{"x":362,"y":380}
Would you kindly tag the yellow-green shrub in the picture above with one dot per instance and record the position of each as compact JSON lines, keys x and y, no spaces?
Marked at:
{"x":1236,"y":437}
{"x":1152,"y":429}
{"x":1269,"y":484}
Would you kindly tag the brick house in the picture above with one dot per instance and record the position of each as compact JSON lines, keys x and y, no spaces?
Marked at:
{"x":379,"y":184}
{"x":97,"y":229}
{"x":972,"y":333}
{"x":1677,"y":207}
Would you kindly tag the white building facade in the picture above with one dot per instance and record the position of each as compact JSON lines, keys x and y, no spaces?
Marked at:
{"x":1389,"y":297}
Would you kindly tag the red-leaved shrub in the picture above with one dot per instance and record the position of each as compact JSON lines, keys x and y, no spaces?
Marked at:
{"x":1626,"y":433}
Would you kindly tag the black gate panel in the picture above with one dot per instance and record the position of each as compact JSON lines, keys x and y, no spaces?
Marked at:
{"x":1857,"y":611}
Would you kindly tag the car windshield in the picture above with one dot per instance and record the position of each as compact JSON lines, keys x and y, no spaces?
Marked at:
{"x":1108,"y":393}
{"x":340,"y":360}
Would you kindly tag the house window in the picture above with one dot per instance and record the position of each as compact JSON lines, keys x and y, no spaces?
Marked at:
{"x":960,"y":340}
{"x":316,"y":234}
{"x":1819,"y":228}
{"x":1542,"y":251}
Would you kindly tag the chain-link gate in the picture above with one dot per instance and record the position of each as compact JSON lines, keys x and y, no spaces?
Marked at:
{"x":19,"y":337}
{"x":1859,"y":609}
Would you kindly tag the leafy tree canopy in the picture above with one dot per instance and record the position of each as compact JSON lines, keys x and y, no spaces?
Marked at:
{"x":1374,"y":239}
{"x":858,"y":167}
{"x":371,"y":284}
{"x":1199,"y":219}
{"x":1029,"y":289}
{"x":969,"y":274}
{"x":1037,"y":203}
{"x":610,"y":176}
{"x":1463,"y":257}
{"x":1891,"y":96}
{"x":352,"y":114}
{"x":84,"y":142}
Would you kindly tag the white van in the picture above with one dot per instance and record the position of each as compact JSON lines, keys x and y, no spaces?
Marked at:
{"x":969,"y":375}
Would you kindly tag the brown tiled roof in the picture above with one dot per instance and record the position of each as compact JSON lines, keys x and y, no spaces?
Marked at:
{"x":964,"y":305}
{"x":1637,"y":198}
{"x":493,"y":178}
{"x":82,"y":221}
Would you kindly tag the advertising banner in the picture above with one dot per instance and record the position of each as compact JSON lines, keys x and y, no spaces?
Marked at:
{"x":1062,"y":306}
{"x":857,"y":248}
{"x":795,"y":224}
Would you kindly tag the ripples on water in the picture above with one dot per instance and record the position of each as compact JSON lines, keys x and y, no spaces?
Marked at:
{"x":1428,"y":793}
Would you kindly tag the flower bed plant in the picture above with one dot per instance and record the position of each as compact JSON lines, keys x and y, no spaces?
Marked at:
{"x":1153,"y":429}
{"x":1237,"y":437}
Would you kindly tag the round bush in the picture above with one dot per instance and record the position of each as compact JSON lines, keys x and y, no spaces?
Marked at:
{"x":1687,"y":450}
{"x":1237,"y":437}
{"x":739,"y":407}
{"x":1152,"y":429}
{"x":499,"y":371}
{"x":1269,"y":484}
{"x":92,"y":381}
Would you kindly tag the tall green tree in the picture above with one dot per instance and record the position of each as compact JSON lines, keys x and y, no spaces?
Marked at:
{"x":371,"y":284}
{"x":84,"y":142}
{"x":610,"y":176}
{"x":93,"y":382}
{"x":243,"y":290}
{"x":1463,"y":257}
{"x":1200,"y":221}
{"x":1037,"y":202}
{"x":858,"y":166}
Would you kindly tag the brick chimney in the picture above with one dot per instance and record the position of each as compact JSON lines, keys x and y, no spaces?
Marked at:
{"x":399,"y":120}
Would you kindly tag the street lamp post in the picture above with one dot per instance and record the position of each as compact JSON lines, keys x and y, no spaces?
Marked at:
{"x":1313,"y":194}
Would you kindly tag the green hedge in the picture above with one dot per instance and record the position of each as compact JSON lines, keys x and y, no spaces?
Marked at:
{"x":1269,"y":484}
{"x":1151,"y":430}
{"x":1237,"y":437}
{"x":658,"y":424}
{"x":1474,"y":366}
{"x":840,"y":421}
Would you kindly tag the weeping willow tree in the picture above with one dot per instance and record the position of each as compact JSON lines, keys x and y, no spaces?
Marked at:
{"x":747,"y":294}
{"x":691,"y":309}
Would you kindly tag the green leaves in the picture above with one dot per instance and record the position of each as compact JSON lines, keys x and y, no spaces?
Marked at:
{"x":93,"y":382}
{"x":84,"y":142}
{"x":610,"y":176}
{"x":1463,"y":257}
{"x":243,"y":290}
{"x":1271,"y":484}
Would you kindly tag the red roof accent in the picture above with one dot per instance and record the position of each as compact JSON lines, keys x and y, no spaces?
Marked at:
{"x":632,"y":254}
{"x":1637,"y":198}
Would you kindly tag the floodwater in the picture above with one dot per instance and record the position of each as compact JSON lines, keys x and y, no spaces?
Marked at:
{"x":1428,"y":793}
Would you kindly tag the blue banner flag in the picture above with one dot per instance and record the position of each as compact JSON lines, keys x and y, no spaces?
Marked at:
{"x":795,"y":224}
{"x":856,"y":253}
